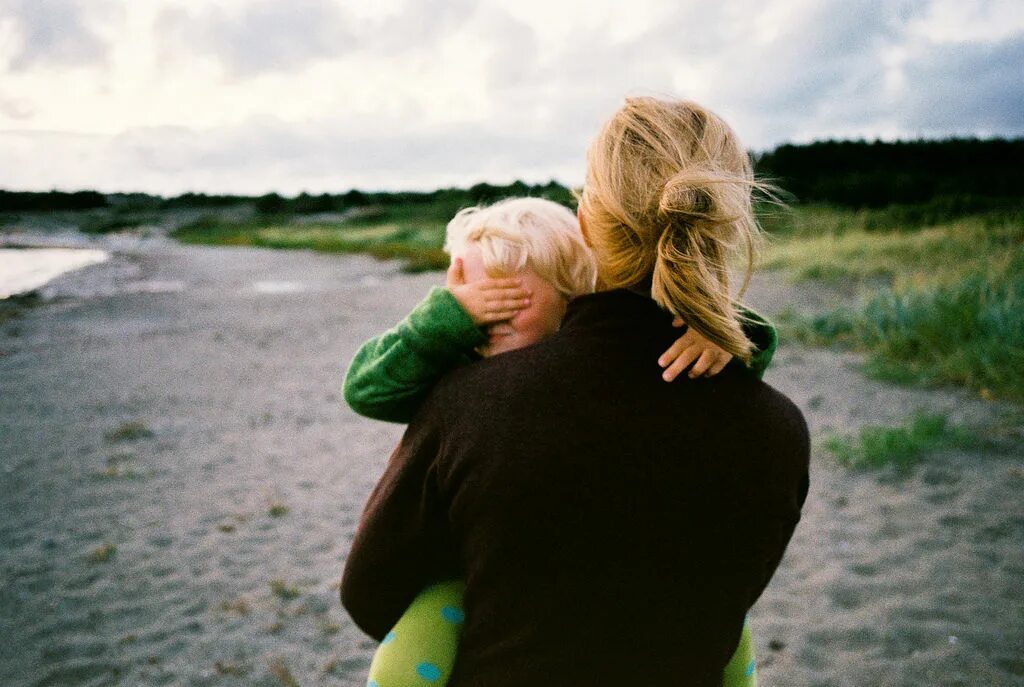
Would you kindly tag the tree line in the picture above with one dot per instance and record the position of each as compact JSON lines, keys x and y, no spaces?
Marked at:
{"x":862,"y":174}
{"x":962,"y":175}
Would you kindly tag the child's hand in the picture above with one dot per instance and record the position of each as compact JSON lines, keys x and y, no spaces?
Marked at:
{"x":487,"y":301}
{"x":689,"y":347}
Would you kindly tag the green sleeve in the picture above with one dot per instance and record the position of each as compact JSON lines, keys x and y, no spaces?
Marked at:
{"x":764,"y":337}
{"x":391,"y":374}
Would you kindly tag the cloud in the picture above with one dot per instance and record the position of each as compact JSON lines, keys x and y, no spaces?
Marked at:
{"x":417,"y":94}
{"x":58,"y":32}
{"x":16,"y":109}
{"x":266,"y":35}
{"x":418,"y":26}
{"x":285,"y":36}
{"x":265,"y":154}
{"x":960,"y":87}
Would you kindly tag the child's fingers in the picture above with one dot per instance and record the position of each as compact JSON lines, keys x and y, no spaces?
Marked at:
{"x":723,"y":360}
{"x":495,"y":295}
{"x":512,"y":306}
{"x":492,"y":316}
{"x":507,"y":283}
{"x":706,"y":360}
{"x":674,"y":351}
{"x":456,"y":277}
{"x":680,"y":363}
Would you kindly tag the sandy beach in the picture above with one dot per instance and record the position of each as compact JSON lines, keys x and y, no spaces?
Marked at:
{"x":181,"y":481}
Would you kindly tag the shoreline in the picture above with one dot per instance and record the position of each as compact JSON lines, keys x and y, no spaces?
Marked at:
{"x":25,"y":269}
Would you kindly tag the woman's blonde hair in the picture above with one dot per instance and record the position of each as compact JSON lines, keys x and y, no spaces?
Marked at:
{"x":520,"y":232}
{"x":668,"y":199}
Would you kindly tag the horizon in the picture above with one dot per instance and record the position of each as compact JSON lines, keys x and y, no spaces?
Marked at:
{"x":428,"y":190}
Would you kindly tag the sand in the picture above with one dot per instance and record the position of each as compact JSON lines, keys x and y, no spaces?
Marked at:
{"x":181,"y":481}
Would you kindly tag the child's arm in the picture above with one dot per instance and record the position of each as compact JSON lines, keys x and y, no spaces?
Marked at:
{"x":765,"y":338}
{"x":711,"y":359}
{"x":392,"y":373}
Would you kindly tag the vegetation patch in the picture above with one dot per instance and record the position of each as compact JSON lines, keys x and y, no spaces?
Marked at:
{"x":830,"y":243}
{"x":899,"y":447}
{"x":969,"y":332}
{"x":943,"y":304}
{"x":102,"y":553}
{"x":283,"y":590}
{"x":105,"y":222}
{"x":279,"y":670}
{"x":417,"y":243}
{"x":239,"y":606}
{"x":16,"y":305}
{"x":129,"y":431}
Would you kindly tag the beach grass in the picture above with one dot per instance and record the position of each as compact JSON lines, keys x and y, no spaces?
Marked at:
{"x":107,"y":222}
{"x":280,"y":670}
{"x":814,"y":244}
{"x":16,"y":306}
{"x":387,"y":236}
{"x":129,"y":431}
{"x":939,"y":305}
{"x":102,"y":553}
{"x":901,"y":447}
{"x":283,"y":590}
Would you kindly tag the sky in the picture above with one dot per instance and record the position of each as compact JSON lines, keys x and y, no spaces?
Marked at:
{"x":253,"y":96}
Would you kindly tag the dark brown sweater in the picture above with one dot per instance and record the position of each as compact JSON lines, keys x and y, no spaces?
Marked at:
{"x":612,"y":528}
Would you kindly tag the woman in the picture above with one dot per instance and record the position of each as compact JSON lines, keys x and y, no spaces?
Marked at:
{"x":609,"y":527}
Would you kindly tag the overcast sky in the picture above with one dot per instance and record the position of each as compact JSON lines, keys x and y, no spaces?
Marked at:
{"x":249,"y":96}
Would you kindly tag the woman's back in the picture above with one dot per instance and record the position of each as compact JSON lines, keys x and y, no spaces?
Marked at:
{"x":611,"y":526}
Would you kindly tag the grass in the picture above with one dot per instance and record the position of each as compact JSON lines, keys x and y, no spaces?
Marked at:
{"x":283,"y":590}
{"x":836,"y":247}
{"x":968,"y":333}
{"x":129,"y":431}
{"x":943,"y":304}
{"x":900,"y":447}
{"x":279,"y":670}
{"x":105,"y":223}
{"x":386,"y":236}
{"x":330,"y":629}
{"x":102,"y":553}
{"x":17,"y":305}
{"x":239,"y":606}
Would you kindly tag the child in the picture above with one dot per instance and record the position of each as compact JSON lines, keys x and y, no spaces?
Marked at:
{"x":515,"y":266}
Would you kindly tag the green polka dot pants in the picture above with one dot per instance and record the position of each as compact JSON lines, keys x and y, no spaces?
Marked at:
{"x":420,"y":650}
{"x":741,"y":670}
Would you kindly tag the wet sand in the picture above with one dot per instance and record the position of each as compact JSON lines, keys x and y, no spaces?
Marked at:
{"x":181,"y":481}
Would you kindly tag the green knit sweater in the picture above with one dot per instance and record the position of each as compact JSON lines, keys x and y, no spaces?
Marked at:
{"x":391,"y":374}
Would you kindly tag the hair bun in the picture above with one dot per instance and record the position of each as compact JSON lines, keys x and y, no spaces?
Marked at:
{"x":703,"y":196}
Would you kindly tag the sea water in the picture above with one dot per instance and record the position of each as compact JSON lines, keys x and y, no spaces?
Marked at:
{"x":26,"y":269}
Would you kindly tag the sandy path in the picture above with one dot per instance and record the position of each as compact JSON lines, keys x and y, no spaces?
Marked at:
{"x":232,"y":358}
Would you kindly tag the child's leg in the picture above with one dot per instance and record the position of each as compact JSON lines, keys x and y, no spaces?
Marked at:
{"x":741,"y":671}
{"x":420,"y":649}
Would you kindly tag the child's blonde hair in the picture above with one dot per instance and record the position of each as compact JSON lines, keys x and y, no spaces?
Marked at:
{"x":668,"y":198}
{"x":520,"y":232}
